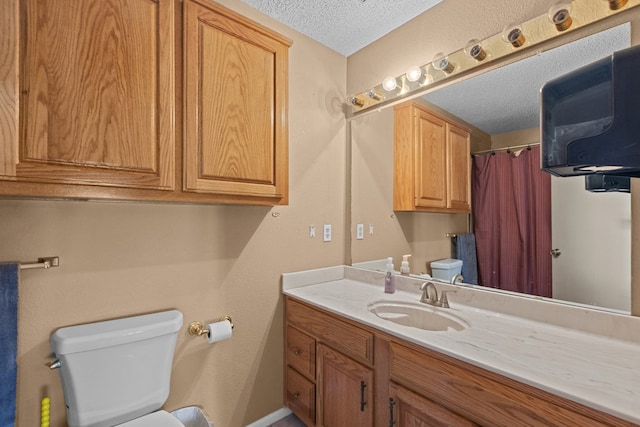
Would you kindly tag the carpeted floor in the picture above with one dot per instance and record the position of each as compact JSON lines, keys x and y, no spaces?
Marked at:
{"x":289,"y":421}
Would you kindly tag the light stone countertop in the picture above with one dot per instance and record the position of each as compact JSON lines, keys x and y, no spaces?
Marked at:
{"x":599,"y":371}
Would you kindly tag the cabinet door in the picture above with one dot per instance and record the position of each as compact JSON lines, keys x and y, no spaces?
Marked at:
{"x":236,"y":105}
{"x":97,"y":94}
{"x":459,"y":169}
{"x":430,"y":157}
{"x":345,"y":390}
{"x":408,"y":409}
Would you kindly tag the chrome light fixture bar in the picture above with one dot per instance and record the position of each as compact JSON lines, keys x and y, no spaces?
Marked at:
{"x":564,"y":16}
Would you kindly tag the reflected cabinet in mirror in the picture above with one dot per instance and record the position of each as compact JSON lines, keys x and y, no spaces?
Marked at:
{"x":589,"y":233}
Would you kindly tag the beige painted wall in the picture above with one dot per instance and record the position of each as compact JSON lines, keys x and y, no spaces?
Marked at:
{"x":120,"y":259}
{"x":448,"y":27}
{"x":395,"y":233}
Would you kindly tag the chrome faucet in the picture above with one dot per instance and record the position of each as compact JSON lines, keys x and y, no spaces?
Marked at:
{"x":455,"y":278}
{"x":427,"y":298}
{"x":431,"y":298}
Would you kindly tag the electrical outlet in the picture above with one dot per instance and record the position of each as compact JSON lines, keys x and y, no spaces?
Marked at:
{"x":359,"y":231}
{"x":326,"y":233}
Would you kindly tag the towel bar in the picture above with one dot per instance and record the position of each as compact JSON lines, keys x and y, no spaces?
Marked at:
{"x":46,"y":262}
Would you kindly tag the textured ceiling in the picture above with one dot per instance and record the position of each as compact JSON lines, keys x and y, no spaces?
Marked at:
{"x":508,"y":99}
{"x":345,"y":26}
{"x":503,"y":100}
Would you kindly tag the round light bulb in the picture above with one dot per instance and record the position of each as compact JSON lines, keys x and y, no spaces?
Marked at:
{"x":414,"y":73}
{"x":441,"y":62}
{"x":616,"y":4}
{"x":513,"y":34}
{"x":389,"y":83}
{"x":374,"y":95}
{"x":355,"y":102}
{"x":560,"y":14}
{"x":475,"y":50}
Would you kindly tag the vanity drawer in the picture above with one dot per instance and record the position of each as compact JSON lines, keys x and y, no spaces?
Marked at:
{"x":345,"y":337}
{"x":301,"y":352}
{"x":301,"y":396}
{"x":484,"y":397}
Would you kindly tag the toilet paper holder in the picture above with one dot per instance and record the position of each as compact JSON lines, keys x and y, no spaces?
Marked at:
{"x":198,"y":328}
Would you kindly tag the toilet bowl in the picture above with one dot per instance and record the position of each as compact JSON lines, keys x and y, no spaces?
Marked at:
{"x":117,"y":372}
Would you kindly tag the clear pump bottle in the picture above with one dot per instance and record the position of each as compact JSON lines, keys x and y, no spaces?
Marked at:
{"x":389,"y":278}
{"x":404,"y":267}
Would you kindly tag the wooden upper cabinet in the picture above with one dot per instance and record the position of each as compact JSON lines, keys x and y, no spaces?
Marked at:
{"x":236,"y":79}
{"x":97,"y":84}
{"x":459,"y":168}
{"x":432,"y":163}
{"x":430,"y":160}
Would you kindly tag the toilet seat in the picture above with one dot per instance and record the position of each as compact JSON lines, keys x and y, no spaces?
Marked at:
{"x":154,"y":419}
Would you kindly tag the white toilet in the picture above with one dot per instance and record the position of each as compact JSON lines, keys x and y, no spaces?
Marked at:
{"x":118,"y":372}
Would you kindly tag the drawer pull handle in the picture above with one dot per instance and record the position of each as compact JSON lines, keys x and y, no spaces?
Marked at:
{"x":392,"y":420}
{"x":363,"y":388}
{"x":297,"y":351}
{"x":296,"y":395}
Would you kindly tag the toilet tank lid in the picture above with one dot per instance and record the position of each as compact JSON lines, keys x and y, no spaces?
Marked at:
{"x":446,"y":264}
{"x":92,"y":336}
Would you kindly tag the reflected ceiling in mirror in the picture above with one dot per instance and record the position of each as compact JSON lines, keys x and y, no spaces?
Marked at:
{"x":510,"y":96}
{"x":444,"y":67}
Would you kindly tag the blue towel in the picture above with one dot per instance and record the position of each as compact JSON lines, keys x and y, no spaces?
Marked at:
{"x":466,"y":251}
{"x":8,"y":342}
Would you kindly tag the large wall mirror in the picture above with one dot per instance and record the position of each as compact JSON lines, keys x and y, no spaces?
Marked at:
{"x":593,"y":231}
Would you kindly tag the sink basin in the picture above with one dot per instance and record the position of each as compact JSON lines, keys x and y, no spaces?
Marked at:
{"x":417,"y":315}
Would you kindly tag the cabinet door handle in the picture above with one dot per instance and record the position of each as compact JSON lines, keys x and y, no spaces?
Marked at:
{"x":392,"y":420}
{"x":363,"y":388}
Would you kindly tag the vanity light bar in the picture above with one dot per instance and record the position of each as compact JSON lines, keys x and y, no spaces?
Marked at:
{"x":563,"y":17}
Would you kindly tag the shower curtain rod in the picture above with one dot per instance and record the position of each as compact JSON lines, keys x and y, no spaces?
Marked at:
{"x":513,"y":148}
{"x":47,"y":262}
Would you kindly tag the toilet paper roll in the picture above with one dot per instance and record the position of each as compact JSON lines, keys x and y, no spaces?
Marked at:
{"x":219,"y":331}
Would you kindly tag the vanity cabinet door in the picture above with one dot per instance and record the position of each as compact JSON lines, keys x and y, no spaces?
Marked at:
{"x":345,"y":390}
{"x":97,"y":95}
{"x":236,"y":78}
{"x":408,"y":409}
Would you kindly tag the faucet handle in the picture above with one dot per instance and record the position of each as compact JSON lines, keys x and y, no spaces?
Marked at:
{"x":444,"y":302}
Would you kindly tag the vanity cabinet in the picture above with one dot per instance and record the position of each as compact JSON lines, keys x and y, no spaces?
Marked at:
{"x":432,"y":162}
{"x":406,"y":385}
{"x":329,"y":375}
{"x":93,"y":104}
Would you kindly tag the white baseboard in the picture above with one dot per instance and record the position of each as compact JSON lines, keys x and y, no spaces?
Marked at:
{"x":271,"y":418}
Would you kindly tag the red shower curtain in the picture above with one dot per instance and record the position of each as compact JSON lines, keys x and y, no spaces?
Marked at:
{"x":512,"y":221}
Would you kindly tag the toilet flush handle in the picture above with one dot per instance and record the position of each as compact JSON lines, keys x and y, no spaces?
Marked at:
{"x":54,"y":365}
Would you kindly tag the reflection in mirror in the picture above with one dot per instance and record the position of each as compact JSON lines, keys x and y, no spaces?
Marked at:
{"x":501,"y":109}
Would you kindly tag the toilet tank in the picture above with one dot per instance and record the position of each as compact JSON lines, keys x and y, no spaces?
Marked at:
{"x":116,"y":370}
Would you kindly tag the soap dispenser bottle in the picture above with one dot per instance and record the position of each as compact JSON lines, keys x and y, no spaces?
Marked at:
{"x":404,"y":266}
{"x":389,"y":278}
